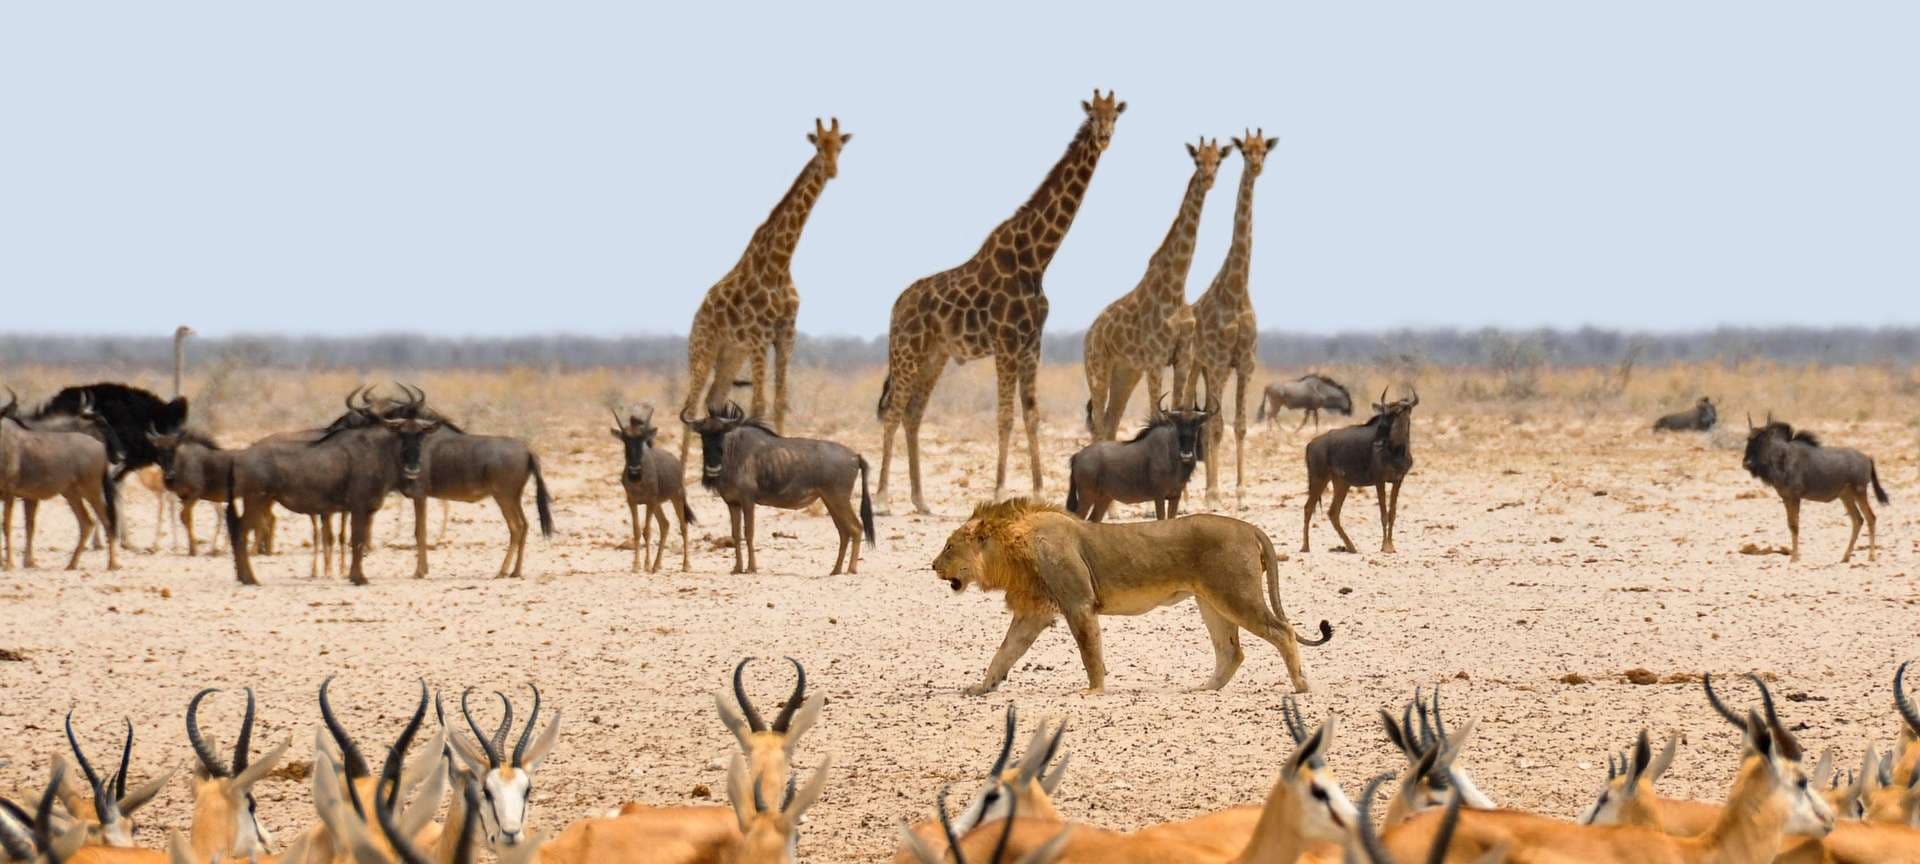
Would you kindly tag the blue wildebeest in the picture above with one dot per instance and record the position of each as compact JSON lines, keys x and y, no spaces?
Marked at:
{"x":461,"y":466}
{"x":1699,"y":418}
{"x":746,"y":463}
{"x":651,"y":477}
{"x":1376,"y":453}
{"x":1308,"y":394}
{"x":1153,"y":466}
{"x":38,"y":464}
{"x":1796,"y":465}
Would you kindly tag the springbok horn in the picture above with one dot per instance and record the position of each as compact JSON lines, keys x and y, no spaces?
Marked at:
{"x":102,"y":805}
{"x":209,"y":760}
{"x":754,"y":722}
{"x":1790,"y":746}
{"x":119,"y":788}
{"x":785,"y":718}
{"x":1006,"y":743}
{"x":486,"y":743}
{"x":526,"y":735}
{"x":1289,"y":713}
{"x":389,"y":787}
{"x":1719,"y":707}
{"x":351,"y":761}
{"x":946,"y":819}
{"x":1903,"y":702}
{"x":506,"y":723}
{"x":1439,"y":725}
{"x":245,"y":742}
{"x":17,"y":845}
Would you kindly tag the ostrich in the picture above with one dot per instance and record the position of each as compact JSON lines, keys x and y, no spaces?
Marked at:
{"x":167,"y":507}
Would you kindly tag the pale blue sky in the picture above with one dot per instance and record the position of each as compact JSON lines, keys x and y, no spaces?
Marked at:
{"x":493,"y":168}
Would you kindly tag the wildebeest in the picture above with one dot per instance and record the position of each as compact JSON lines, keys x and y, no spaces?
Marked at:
{"x":347,"y":471}
{"x":130,"y":411}
{"x":194,"y":468}
{"x":39,"y":464}
{"x":1699,"y":418}
{"x":1153,"y":466}
{"x":460,"y":466}
{"x":1376,"y":453}
{"x":651,"y":477}
{"x":1308,"y":393}
{"x":1796,"y":465}
{"x":746,"y":463}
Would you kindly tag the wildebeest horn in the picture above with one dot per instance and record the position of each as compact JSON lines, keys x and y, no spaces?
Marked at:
{"x":1416,"y":395}
{"x":1383,"y":395}
{"x":754,"y":722}
{"x":1749,"y":421}
{"x":1901,"y":701}
{"x":12,"y":400}
{"x":349,"y":400}
{"x":486,"y":742}
{"x":734,"y":411}
{"x":649,"y":415}
{"x":209,"y":760}
{"x":619,"y":423}
{"x":1769,"y":416}
{"x":526,"y":735}
{"x":685,"y":418}
{"x":785,"y":717}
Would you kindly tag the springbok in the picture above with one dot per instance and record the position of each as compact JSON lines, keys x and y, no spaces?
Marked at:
{"x":1046,"y":852}
{"x":1377,"y":453}
{"x":226,"y":821}
{"x":108,"y":813}
{"x":346,"y":793}
{"x":651,"y":477}
{"x":1025,"y":786}
{"x":748,"y":464}
{"x":1427,"y":789}
{"x":505,"y":779}
{"x":1366,"y":848}
{"x":39,"y":838}
{"x":36,"y":465}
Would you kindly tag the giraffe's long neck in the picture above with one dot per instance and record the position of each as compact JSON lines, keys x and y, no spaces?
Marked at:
{"x":774,"y":241}
{"x":1028,"y":239}
{"x":1174,"y":258}
{"x":1232,"y":280}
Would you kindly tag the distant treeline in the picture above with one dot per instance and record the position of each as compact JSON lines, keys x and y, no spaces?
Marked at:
{"x":1403,"y":348}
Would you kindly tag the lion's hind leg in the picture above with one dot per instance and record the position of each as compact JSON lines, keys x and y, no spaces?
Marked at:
{"x":1085,"y":624}
{"x":1250,"y":612}
{"x":1225,"y":635}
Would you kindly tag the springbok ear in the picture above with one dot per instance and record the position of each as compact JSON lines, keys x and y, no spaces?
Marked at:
{"x":418,"y":770}
{"x":178,"y":850}
{"x":544,"y":744}
{"x":1051,"y":779}
{"x":139,"y":797}
{"x":730,"y":717}
{"x":803,"y":720}
{"x":618,"y":435}
{"x":419,"y":812}
{"x":918,"y":848}
{"x":468,"y":752}
{"x":1664,"y":759}
{"x":810,"y":793}
{"x":737,"y":792}
{"x":68,"y":792}
{"x":1049,"y":850}
{"x":1394,"y":737}
{"x":261,"y":767}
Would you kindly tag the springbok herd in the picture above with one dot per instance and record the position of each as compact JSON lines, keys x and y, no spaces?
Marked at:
{"x":1781,"y":805}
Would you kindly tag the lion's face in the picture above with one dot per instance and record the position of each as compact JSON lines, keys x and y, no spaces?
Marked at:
{"x":960,"y":562}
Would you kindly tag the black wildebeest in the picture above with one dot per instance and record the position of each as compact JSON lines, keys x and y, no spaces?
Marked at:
{"x":1797,"y":466}
{"x":746,"y":463}
{"x":1376,"y":453}
{"x":130,"y":411}
{"x":1308,"y":394}
{"x":651,"y":477}
{"x":1153,"y":466}
{"x":1699,"y":418}
{"x":39,"y":464}
{"x":461,"y":466}
{"x":347,"y":471}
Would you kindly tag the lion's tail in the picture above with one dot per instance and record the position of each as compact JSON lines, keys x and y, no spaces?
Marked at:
{"x":1271,"y":560}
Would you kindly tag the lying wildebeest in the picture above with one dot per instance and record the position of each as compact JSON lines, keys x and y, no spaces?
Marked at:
{"x":1053,"y":565}
{"x":1153,"y":466}
{"x":460,"y":466}
{"x":746,"y":463}
{"x":347,"y":471}
{"x":1308,"y":393}
{"x":1699,"y":418}
{"x":39,"y":464}
{"x":1376,"y":453}
{"x":651,"y":477}
{"x":1799,"y":468}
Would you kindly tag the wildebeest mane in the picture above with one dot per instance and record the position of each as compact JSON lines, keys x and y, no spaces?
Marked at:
{"x":1315,"y":376}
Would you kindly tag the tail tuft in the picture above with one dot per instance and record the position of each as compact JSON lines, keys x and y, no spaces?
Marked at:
{"x":1879,"y":491}
{"x":866,"y":506}
{"x":541,"y":501}
{"x":1073,"y":492}
{"x":686,"y":513}
{"x":111,"y":497}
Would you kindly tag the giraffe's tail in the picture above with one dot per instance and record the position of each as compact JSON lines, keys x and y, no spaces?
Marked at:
{"x":886,"y":395}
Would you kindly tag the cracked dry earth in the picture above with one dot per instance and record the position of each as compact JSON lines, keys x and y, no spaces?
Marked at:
{"x":1532,"y":554}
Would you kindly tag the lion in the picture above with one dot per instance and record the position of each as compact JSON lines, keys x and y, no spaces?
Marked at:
{"x":1051,"y":564}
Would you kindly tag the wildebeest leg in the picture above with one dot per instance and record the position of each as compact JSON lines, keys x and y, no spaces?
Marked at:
{"x":86,"y":527}
{"x":1866,"y":509}
{"x":660,"y":554}
{"x":420,"y":537}
{"x":1099,"y":511}
{"x":6,"y":532}
{"x":515,"y":514}
{"x":1316,"y":484}
{"x":1386,"y":523}
{"x":31,"y":510}
{"x":739,"y":553}
{"x":640,"y":534}
{"x":1085,"y":624}
{"x":848,"y":524}
{"x":1225,"y":636}
{"x":1853,"y":515}
{"x":446,"y":511}
{"x":1159,"y":508}
{"x":686,"y":552}
{"x":746,"y":527}
{"x":1393,"y":510}
{"x":360,"y":527}
{"x":1173,"y":504}
{"x":1303,"y":420}
{"x":1793,"y":527}
{"x":1333,"y":515}
{"x":1020,"y":636}
{"x":319,"y":547}
{"x":326,"y":543}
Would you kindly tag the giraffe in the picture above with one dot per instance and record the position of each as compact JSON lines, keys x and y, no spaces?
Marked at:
{"x":992,"y":305}
{"x":754,"y":305}
{"x":1224,"y":333}
{"x":1149,"y":327}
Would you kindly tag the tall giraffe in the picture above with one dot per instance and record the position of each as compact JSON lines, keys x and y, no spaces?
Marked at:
{"x":1224,"y":330}
{"x":754,"y":305}
{"x":992,"y":305}
{"x":1150,"y":327}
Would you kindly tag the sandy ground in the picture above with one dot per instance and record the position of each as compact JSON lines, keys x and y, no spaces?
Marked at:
{"x":1530,"y":548}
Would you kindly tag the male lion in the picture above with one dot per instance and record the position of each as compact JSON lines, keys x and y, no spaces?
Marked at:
{"x":1050,"y":564}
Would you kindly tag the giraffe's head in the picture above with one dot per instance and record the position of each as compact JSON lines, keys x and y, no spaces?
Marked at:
{"x":1101,"y":114}
{"x":828,"y":140}
{"x":1254,"y":146}
{"x":1207,"y":156}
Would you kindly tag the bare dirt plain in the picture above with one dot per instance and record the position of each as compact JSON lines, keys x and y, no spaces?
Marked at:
{"x":1537,"y":539}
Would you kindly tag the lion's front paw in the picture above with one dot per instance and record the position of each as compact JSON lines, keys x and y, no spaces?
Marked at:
{"x":1094,"y":691}
{"x":979,"y":690}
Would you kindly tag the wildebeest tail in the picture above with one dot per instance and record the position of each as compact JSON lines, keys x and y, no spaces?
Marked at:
{"x":111,"y":498}
{"x":1089,"y":415}
{"x":886,"y":395}
{"x":1260,"y":413}
{"x":686,"y":513}
{"x":541,"y":501}
{"x":866,"y":505}
{"x":1879,"y":491}
{"x":1271,"y":560}
{"x":1073,"y":491}
{"x":235,"y":535}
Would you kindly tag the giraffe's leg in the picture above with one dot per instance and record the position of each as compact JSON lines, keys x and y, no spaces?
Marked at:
{"x":1241,"y":375}
{"x":782,"y":352}
{"x":1006,"y":381}
{"x":1216,"y":432}
{"x":916,"y":410}
{"x":1096,"y":369}
{"x":700,"y":358}
{"x":758,"y":407}
{"x":1156,"y":386}
{"x":1119,"y":393}
{"x":1030,"y":412}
